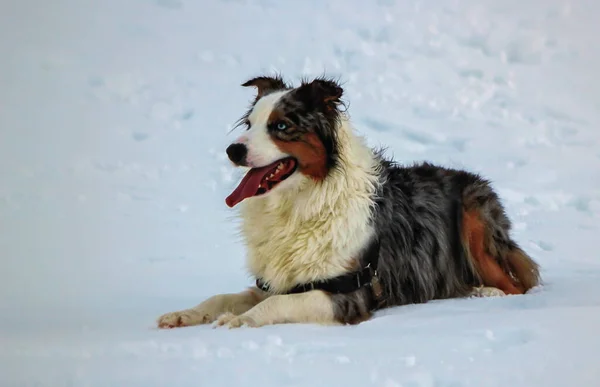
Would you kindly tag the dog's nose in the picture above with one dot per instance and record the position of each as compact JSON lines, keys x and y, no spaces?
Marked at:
{"x":237,"y":153}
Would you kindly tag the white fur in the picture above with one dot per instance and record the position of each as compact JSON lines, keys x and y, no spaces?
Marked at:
{"x":487,"y":291}
{"x":255,"y":308}
{"x":305,"y":230}
{"x":209,"y":310}
{"x":310,"y":307}
{"x":261,"y":149}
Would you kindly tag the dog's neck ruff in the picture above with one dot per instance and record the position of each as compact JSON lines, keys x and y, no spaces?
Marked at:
{"x":346,"y":283}
{"x":311,"y":232}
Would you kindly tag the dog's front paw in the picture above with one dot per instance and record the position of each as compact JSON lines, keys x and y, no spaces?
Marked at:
{"x":232,"y":321}
{"x":183,"y":318}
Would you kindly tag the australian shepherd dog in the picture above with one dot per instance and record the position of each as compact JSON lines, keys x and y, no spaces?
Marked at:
{"x":335,"y":231}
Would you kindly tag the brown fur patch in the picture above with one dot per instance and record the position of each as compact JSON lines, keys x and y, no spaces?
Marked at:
{"x":525,"y":269}
{"x":487,"y":267}
{"x":310,"y":153}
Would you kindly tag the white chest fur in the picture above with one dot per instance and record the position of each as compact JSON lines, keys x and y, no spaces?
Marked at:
{"x":314,"y":230}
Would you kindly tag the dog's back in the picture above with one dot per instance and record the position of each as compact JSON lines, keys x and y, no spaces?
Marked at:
{"x":442,"y":232}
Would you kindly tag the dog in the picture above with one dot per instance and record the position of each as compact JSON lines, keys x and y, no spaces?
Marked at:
{"x":335,"y":231}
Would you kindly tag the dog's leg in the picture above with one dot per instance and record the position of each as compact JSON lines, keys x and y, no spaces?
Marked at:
{"x":310,"y":307}
{"x":208,"y":311}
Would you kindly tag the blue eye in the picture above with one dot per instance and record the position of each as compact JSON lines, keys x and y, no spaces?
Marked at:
{"x":281,"y":125}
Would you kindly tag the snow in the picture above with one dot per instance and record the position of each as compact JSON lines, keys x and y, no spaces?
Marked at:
{"x":114,"y":117}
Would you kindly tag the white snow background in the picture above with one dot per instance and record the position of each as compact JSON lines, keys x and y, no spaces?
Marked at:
{"x":114,"y":118}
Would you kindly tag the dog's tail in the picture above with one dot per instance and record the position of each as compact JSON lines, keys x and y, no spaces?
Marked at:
{"x":497,"y":261}
{"x":523,"y":267}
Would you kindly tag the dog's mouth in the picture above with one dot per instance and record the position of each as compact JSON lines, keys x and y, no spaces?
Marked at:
{"x":259,"y":181}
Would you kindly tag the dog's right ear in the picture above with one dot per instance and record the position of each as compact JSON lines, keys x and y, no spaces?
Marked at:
{"x":265,"y":85}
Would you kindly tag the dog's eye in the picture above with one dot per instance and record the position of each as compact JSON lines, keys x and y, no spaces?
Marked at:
{"x":281,"y":125}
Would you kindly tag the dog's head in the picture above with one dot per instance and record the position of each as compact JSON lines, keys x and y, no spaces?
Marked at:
{"x":290,"y":135}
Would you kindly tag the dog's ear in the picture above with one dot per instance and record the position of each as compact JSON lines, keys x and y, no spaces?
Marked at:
{"x":266,"y":84}
{"x":324,"y":92}
{"x":327,"y":90}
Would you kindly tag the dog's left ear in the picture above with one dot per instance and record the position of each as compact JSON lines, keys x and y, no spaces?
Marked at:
{"x":324,"y":92}
{"x":265,"y":85}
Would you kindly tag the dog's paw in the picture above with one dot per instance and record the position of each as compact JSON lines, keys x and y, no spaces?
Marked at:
{"x":487,"y":291}
{"x":183,"y":318}
{"x":232,"y":321}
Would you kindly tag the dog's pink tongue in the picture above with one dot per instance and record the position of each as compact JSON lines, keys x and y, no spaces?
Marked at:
{"x":248,"y":186}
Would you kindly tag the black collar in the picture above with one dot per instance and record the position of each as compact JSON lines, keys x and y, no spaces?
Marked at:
{"x":346,"y":283}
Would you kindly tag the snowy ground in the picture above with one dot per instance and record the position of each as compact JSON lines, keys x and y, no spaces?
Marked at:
{"x":114,"y":117}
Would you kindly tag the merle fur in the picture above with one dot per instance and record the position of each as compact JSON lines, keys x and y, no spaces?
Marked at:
{"x":418,"y":219}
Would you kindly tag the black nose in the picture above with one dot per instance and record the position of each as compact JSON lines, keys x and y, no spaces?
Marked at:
{"x":237,"y":153}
